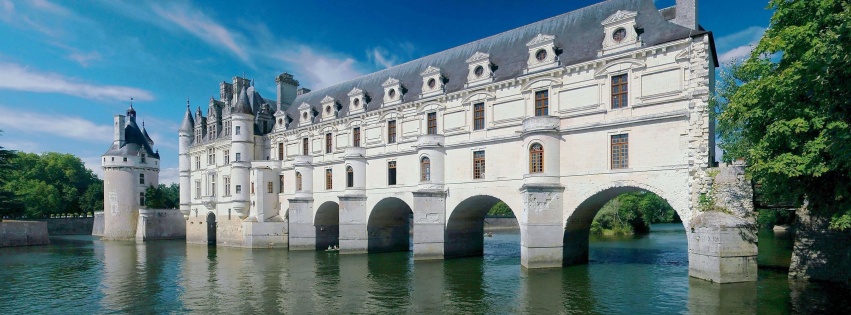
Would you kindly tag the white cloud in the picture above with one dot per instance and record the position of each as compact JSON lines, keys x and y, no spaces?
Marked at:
{"x":20,"y":78}
{"x":735,"y":54}
{"x":202,"y":26}
{"x":322,"y":70}
{"x":382,"y":57}
{"x":738,"y":45}
{"x":66,"y":127}
{"x":94,"y":164}
{"x":84,"y":59}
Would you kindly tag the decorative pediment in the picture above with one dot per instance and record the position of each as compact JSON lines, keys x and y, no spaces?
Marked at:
{"x":619,"y":16}
{"x":430,"y":70}
{"x":541,"y":39}
{"x":355,"y":92}
{"x":327,"y":99}
{"x":304,"y":106}
{"x":478,"y":56}
{"x":390,"y":82}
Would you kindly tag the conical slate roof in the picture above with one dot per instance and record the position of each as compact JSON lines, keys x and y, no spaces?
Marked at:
{"x":188,"y":122}
{"x":242,"y":104}
{"x":145,"y":133}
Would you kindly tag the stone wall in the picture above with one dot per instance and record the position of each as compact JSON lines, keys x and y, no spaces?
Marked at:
{"x":23,"y":233}
{"x":97,"y":225}
{"x":493,"y":224}
{"x":69,"y":226}
{"x":820,"y":253}
{"x":160,"y":224}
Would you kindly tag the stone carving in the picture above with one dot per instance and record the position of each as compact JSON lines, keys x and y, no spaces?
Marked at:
{"x":540,"y":39}
{"x":619,"y":16}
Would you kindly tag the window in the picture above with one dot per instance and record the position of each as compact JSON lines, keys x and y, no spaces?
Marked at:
{"x":236,"y":131}
{"x":238,"y":189}
{"x":620,"y":151}
{"x":542,"y":103}
{"x":356,"y":137}
{"x":479,"y":116}
{"x":212,"y":185}
{"x":391,"y":173}
{"x":125,"y":159}
{"x":431,"y":83}
{"x":226,"y":179}
{"x":432,"y":123}
{"x":280,"y":151}
{"x":226,"y":157}
{"x":392,"y":93}
{"x":328,"y":143}
{"x":391,"y":131}
{"x":350,"y":177}
{"x":142,"y":199}
{"x":304,"y":149}
{"x":425,"y":169}
{"x":536,"y":158}
{"x":297,"y":181}
{"x":197,"y":162}
{"x":478,"y":164}
{"x":143,"y":157}
{"x":252,"y":188}
{"x":211,"y":156}
{"x":197,"y":189}
{"x":141,"y":179}
{"x":541,"y":55}
{"x":479,"y":71}
{"x":619,"y":91}
{"x":329,"y":179}
{"x":270,"y":187}
{"x":281,"y":184}
{"x":238,"y":157}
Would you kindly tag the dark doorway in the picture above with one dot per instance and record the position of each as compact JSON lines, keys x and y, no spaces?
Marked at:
{"x":211,"y":229}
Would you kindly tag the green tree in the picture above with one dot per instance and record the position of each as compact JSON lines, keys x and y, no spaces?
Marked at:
{"x":500,"y":209}
{"x":633,"y":213}
{"x":51,"y":184}
{"x":786,"y":111}
{"x":162,"y":196}
{"x":10,"y":205}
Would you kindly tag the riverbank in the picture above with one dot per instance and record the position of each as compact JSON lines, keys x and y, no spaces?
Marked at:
{"x":501,"y":224}
{"x":23,"y":233}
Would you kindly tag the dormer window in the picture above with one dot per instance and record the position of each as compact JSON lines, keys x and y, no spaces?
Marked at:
{"x":357,"y":101}
{"x":393,"y":92}
{"x":620,"y":32}
{"x":542,"y":53}
{"x":329,"y":104}
{"x":306,"y":114}
{"x":433,"y":81}
{"x":480,"y":69}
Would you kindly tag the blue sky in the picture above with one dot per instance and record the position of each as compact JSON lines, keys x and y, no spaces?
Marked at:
{"x":66,"y":67}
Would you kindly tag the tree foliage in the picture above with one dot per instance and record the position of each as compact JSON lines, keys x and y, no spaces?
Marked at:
{"x":10,"y":206}
{"x":500,"y":209}
{"x":162,"y":196}
{"x":786,"y":109}
{"x":633,"y":213}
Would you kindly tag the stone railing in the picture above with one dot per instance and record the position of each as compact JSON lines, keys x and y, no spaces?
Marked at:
{"x":355,"y":152}
{"x":540,"y":124}
{"x":430,"y":141}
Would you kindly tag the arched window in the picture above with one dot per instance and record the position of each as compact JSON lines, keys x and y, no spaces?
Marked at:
{"x":350,"y":177}
{"x":297,"y":181}
{"x":536,"y":158}
{"x":425,"y":169}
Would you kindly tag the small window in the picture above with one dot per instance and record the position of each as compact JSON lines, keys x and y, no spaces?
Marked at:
{"x":197,"y":189}
{"x":304,"y":144}
{"x":238,"y":189}
{"x":620,"y":151}
{"x":280,"y":151}
{"x":542,"y":103}
{"x":197,"y":162}
{"x":356,"y":137}
{"x":297,"y":181}
{"x":536,"y":158}
{"x":252,"y":188}
{"x":329,"y":179}
{"x":618,"y":35}
{"x":391,"y":131}
{"x":350,"y":177}
{"x":304,"y":116}
{"x":478,"y":164}
{"x":226,"y":157}
{"x":391,"y":173}
{"x":143,"y":157}
{"x":479,"y":71}
{"x":238,"y":157}
{"x":328,"y":143}
{"x":270,"y":187}
{"x":236,"y":131}
{"x":479,"y":116}
{"x":432,"y":123}
{"x":280,"y":184}
{"x":541,"y":55}
{"x":357,"y":102}
{"x":226,"y":179}
{"x":327,"y":109}
{"x":431,"y":83}
{"x":141,"y":179}
{"x":619,"y":91}
{"x":125,"y":159}
{"x":392,"y":93}
{"x":212,"y":185}
{"x":425,"y":169}
{"x":141,"y":199}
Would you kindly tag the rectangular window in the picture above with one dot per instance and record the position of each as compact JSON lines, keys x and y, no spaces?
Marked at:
{"x":197,"y":189}
{"x":280,"y":151}
{"x":479,"y":116}
{"x":356,"y":137}
{"x":327,"y":143}
{"x":197,"y":162}
{"x":252,"y":188}
{"x":620,"y":151}
{"x":226,"y":157}
{"x":329,"y":184}
{"x":270,"y":187}
{"x":432,"y":123}
{"x":391,"y":131}
{"x":143,"y":158}
{"x":304,"y":144}
{"x":226,"y":179}
{"x":212,"y":185}
{"x":391,"y":173}
{"x":542,"y":103}
{"x":141,"y":179}
{"x":280,"y":184}
{"x":238,"y":157}
{"x":478,"y":164}
{"x":350,"y":177}
{"x":236,"y":131}
{"x":238,"y":189}
{"x":141,"y":199}
{"x":619,"y":91}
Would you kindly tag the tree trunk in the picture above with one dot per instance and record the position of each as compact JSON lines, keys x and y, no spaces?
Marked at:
{"x":820,"y":253}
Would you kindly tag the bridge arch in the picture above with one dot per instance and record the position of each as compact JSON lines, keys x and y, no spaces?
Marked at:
{"x":389,"y":226}
{"x":464,"y":234}
{"x":327,"y":225}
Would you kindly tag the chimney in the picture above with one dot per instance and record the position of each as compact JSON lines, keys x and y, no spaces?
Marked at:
{"x":119,"y":131}
{"x":286,"y":90}
{"x":686,"y":13}
{"x":302,"y":91}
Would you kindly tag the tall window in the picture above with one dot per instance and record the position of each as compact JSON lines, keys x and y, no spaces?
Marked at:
{"x":356,"y":137}
{"x":270,"y":187}
{"x":142,"y":199}
{"x":432,"y":123}
{"x":226,"y":179}
{"x":252,"y":188}
{"x":391,"y":131}
{"x":425,"y":169}
{"x":197,"y":162}
{"x":327,"y":143}
{"x":280,"y":151}
{"x":479,"y":116}
{"x":304,"y":149}
{"x":619,"y":91}
{"x":227,"y":157}
{"x":280,"y":184}
{"x":238,"y":157}
{"x":143,"y":158}
{"x":197,"y":188}
{"x":542,"y":103}
{"x":212,"y":185}
{"x":536,"y":158}
{"x":478,"y":164}
{"x":211,"y":157}
{"x":391,"y":173}
{"x":141,"y":179}
{"x":297,"y":181}
{"x":236,"y":131}
{"x":350,"y":177}
{"x":329,"y":179}
{"x":620,"y":151}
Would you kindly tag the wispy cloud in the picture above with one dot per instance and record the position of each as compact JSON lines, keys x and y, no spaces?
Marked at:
{"x":738,"y":45}
{"x":68,"y":127}
{"x":381,"y":57}
{"x":84,"y":59}
{"x":42,"y":16}
{"x":20,"y":78}
{"x":320,"y":69}
{"x":203,"y":27}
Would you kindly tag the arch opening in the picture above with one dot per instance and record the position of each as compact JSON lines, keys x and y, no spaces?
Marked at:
{"x":465,"y":229}
{"x":616,"y":213}
{"x":390,"y":226}
{"x":327,"y":225}
{"x":211,"y":228}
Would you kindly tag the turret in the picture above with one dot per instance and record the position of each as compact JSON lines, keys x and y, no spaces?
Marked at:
{"x":242,"y":139}
{"x":185,"y":135}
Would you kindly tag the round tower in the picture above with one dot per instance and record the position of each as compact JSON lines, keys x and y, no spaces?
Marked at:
{"x":242,"y":137}
{"x":129,"y":167}
{"x":185,"y":136}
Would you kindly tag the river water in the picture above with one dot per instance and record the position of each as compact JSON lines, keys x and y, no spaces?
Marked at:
{"x":637,"y":275}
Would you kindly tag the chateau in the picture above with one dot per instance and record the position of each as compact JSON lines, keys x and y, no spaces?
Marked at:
{"x":554,"y":118}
